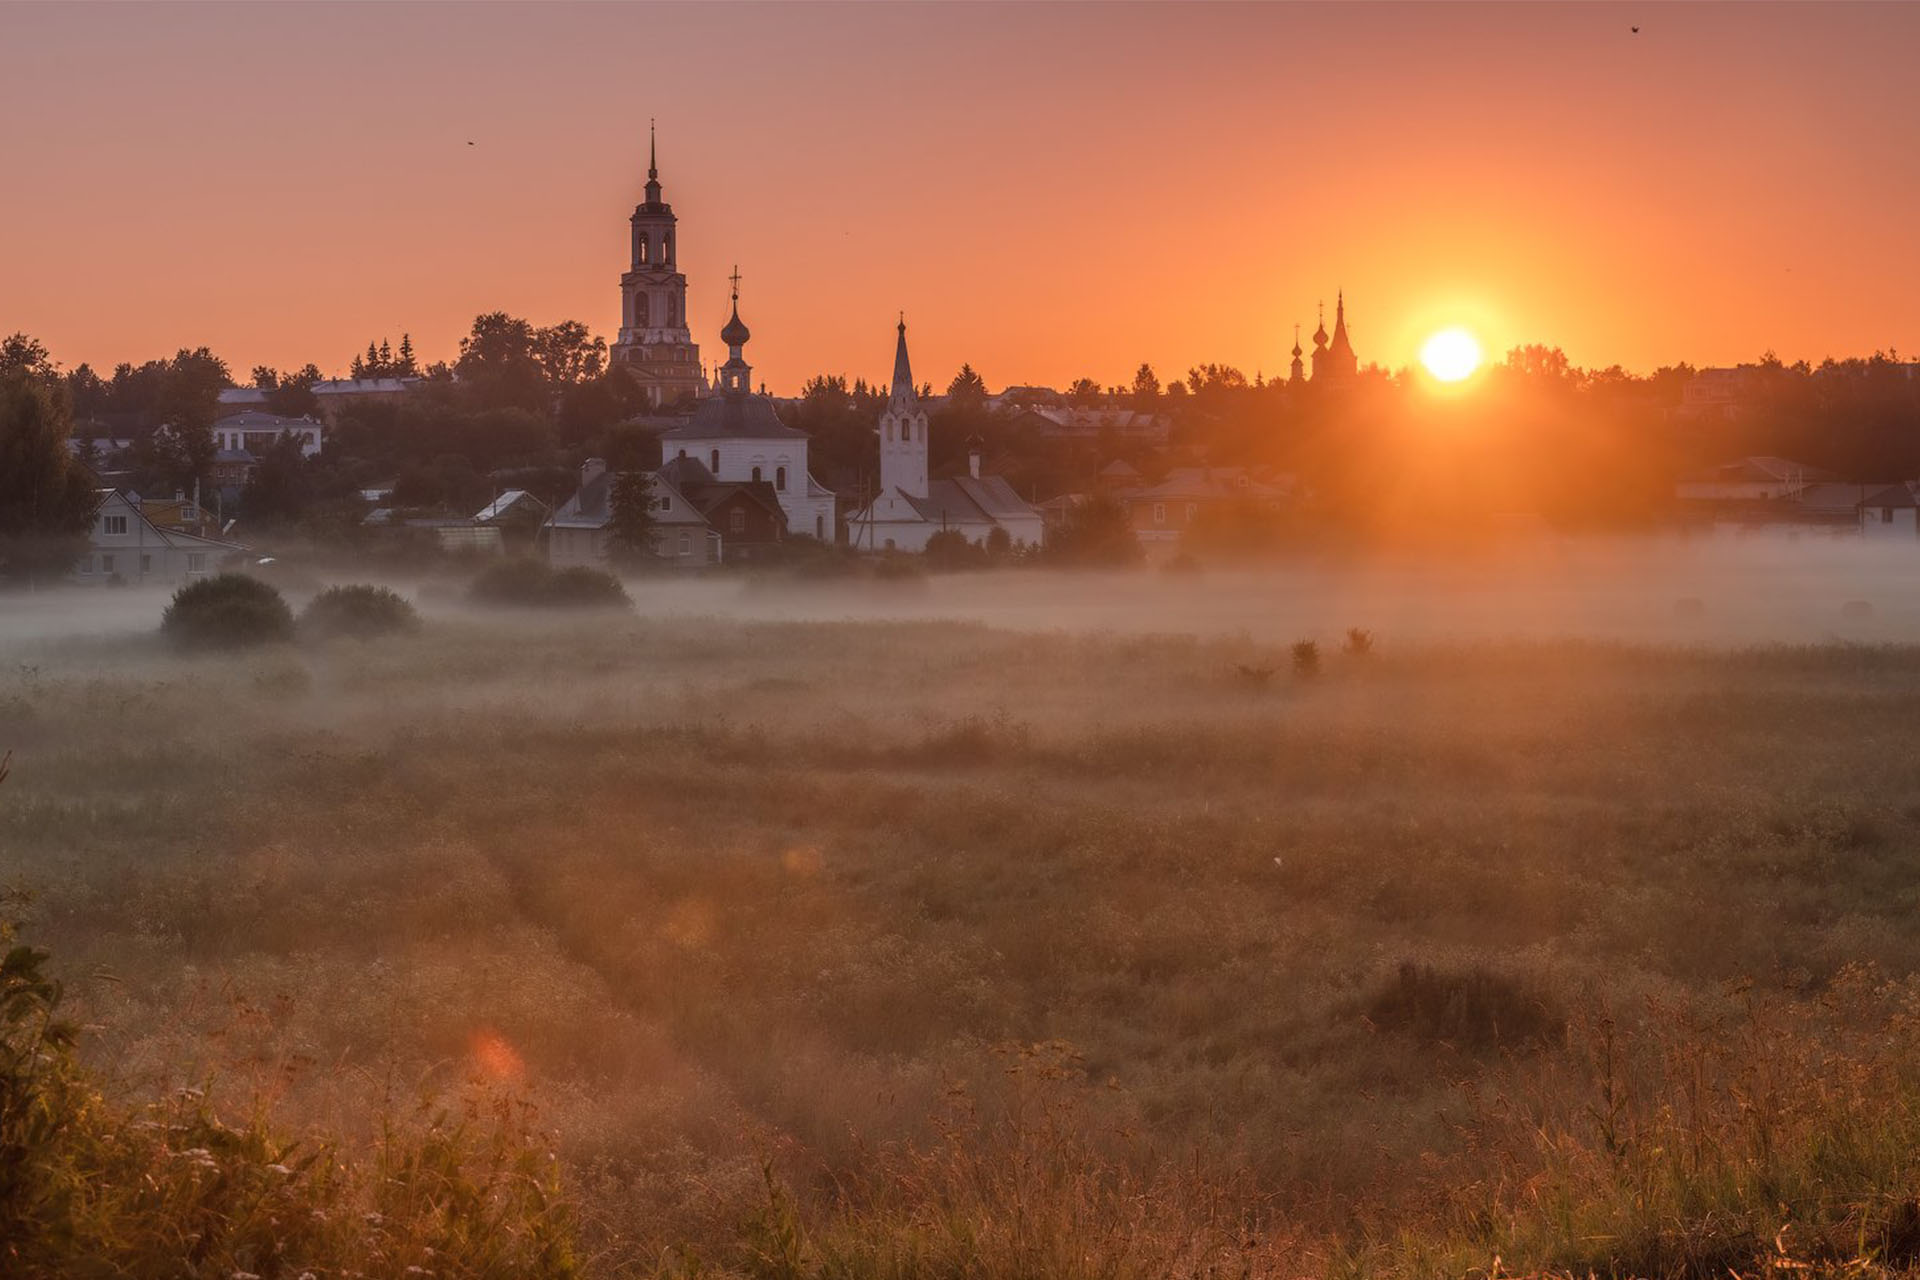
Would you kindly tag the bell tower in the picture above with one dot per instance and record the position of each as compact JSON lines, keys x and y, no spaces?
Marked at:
{"x":655,"y":344}
{"x":903,"y":430}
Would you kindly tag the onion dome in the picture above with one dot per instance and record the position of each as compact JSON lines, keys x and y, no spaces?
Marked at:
{"x":735,"y":334}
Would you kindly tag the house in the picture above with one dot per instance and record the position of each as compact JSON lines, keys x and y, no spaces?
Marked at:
{"x":739,"y":439}
{"x":1751,"y":479}
{"x":1090,"y":424}
{"x":335,"y":394}
{"x":578,"y":531}
{"x":1719,"y":393}
{"x":178,"y":514}
{"x":910,"y":508}
{"x":746,"y":516}
{"x":1162,"y":513}
{"x":125,"y":546}
{"x":1892,"y":512}
{"x":254,"y":432}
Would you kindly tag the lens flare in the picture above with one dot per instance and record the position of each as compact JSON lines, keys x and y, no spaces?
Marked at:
{"x":1451,"y":354}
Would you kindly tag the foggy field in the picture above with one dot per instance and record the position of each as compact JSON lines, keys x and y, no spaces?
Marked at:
{"x":1058,"y":906}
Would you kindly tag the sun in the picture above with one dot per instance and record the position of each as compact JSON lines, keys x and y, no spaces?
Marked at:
{"x":1451,"y":354}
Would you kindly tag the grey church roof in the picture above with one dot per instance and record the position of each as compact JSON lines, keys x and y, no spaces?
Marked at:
{"x":736,"y":416}
{"x":989,"y":499}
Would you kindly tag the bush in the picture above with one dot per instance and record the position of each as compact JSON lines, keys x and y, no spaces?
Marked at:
{"x":1474,"y":1009}
{"x":227,"y":611}
{"x":949,"y":549}
{"x":533,"y":583}
{"x":1306,"y":659}
{"x":360,"y":611}
{"x":1096,"y":534}
{"x":1359,"y":643}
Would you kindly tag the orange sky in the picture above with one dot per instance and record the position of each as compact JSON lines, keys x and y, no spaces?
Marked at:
{"x":1049,"y":191}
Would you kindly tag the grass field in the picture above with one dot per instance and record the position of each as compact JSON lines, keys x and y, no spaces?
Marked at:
{"x":920,"y":946}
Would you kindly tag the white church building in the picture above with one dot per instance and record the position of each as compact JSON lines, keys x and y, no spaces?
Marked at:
{"x":737,"y":436}
{"x":909,"y":508}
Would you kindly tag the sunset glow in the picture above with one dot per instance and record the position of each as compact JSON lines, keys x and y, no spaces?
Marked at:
{"x":1451,"y":355}
{"x":852,"y":161}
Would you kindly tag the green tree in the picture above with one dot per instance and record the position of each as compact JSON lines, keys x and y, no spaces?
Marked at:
{"x":630,"y":518}
{"x":1095,"y":534}
{"x":568,"y":354}
{"x":1085,"y":392}
{"x":1146,"y":388}
{"x":968,"y":390}
{"x":22,"y":354}
{"x":47,"y":497}
{"x":500,"y":362}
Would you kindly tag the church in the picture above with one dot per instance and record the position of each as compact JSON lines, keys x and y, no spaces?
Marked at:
{"x":739,"y":439}
{"x":1333,"y":359}
{"x":655,"y":345}
{"x":910,"y":508}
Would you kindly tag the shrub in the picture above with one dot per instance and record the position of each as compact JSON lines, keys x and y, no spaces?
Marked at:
{"x":227,"y":611}
{"x":533,"y":583}
{"x":949,"y":549}
{"x":1096,"y":534}
{"x":1471,"y":1009}
{"x":1306,"y":659}
{"x":1359,"y":643}
{"x":580,"y":587}
{"x":360,"y":611}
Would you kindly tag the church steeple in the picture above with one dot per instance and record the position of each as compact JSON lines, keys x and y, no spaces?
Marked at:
{"x":903,"y":429}
{"x":902,"y":394}
{"x":655,"y":343}
{"x":1296,"y":372}
{"x":1341,"y":362}
{"x":653,"y":166}
{"x":736,"y":375}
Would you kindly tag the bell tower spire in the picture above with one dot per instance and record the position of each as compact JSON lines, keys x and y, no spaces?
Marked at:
{"x":655,"y":343}
{"x":903,"y":429}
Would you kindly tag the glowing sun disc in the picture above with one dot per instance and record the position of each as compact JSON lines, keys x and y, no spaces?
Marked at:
{"x":1451,"y":354}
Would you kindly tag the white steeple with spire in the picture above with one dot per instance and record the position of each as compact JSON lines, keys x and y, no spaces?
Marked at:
{"x":903,"y":429}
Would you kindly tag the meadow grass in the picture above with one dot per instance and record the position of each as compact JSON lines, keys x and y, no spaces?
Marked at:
{"x":925,"y":948}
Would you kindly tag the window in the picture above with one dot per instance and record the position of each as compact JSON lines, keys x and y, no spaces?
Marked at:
{"x":196,"y":562}
{"x":146,"y":564}
{"x":715,"y":467}
{"x":115,"y":524}
{"x":1191,"y":508}
{"x":1159,"y":513}
{"x":820,"y":528}
{"x":780,"y":478}
{"x":664,"y":504}
{"x":188,"y":513}
{"x":106,"y":564}
{"x":686,"y":542}
{"x":683,"y":453}
{"x":639,"y":310}
{"x":756,"y":475}
{"x":645,"y":249}
{"x":736,"y":521}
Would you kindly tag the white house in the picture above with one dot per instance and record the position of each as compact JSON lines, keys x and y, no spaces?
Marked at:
{"x":254,"y":432}
{"x":737,"y":436}
{"x":1891,"y":513}
{"x":124,"y":546}
{"x":909,"y":508}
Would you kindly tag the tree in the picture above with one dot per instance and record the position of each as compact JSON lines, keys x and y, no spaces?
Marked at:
{"x":500,"y":361}
{"x":568,"y":354}
{"x":1146,"y":388}
{"x":1085,"y":392}
{"x":280,"y":488}
{"x":1095,"y":534}
{"x":968,"y":390}
{"x":630,"y":517}
{"x":47,"y":497}
{"x":22,"y":354}
{"x":187,"y":396}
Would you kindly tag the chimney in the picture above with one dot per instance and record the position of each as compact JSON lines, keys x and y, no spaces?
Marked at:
{"x":592,"y":469}
{"x":973,"y":456}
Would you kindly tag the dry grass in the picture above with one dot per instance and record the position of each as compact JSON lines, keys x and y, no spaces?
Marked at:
{"x":717,"y":898}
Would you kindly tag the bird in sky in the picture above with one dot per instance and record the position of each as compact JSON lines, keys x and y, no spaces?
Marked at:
{"x":1636,"y":31}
